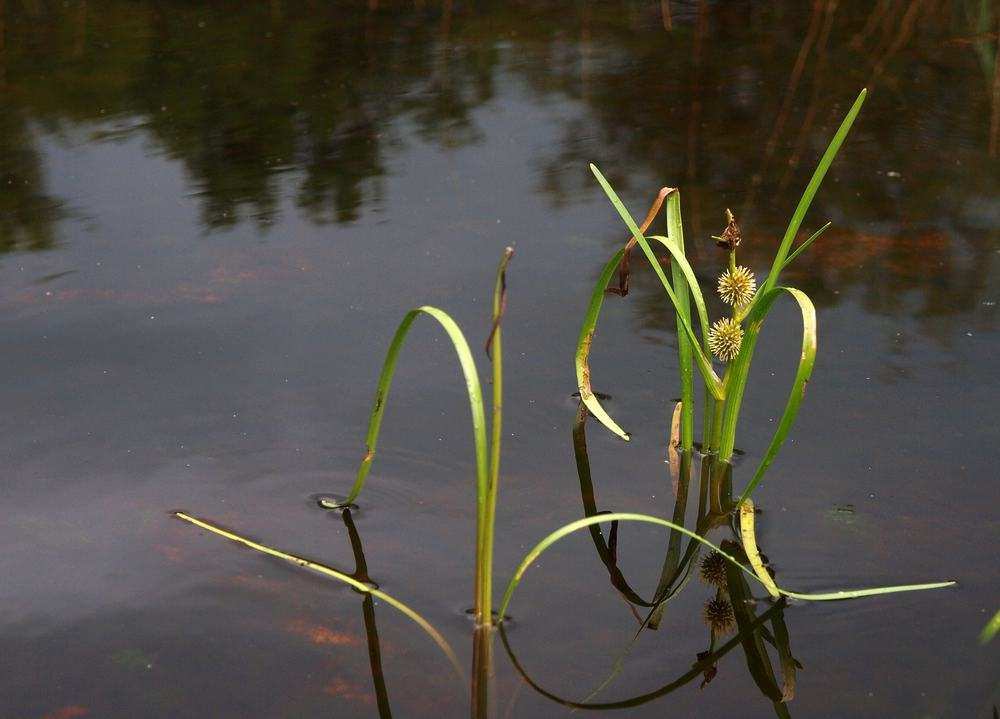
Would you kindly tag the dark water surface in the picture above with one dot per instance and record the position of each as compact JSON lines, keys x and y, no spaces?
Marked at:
{"x":213,"y":216}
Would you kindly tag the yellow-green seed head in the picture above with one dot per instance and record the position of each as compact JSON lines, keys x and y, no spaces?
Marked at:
{"x":725,"y":338}
{"x":713,"y":570}
{"x":736,"y":287}
{"x":718,"y":615}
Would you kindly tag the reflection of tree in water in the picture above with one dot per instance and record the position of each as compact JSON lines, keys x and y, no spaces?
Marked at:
{"x":733,"y":104}
{"x":27,"y":214}
{"x":242,"y":94}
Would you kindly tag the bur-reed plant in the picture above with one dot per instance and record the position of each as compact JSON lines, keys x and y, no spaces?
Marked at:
{"x":487,"y":453}
{"x":732,"y":339}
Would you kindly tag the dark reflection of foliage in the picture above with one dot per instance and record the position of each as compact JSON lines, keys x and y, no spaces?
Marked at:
{"x":243,"y":93}
{"x":27,"y":213}
{"x":251,"y":97}
{"x":701,"y":109}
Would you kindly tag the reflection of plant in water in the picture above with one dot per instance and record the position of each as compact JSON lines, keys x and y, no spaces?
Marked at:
{"x":724,"y":569}
{"x":357,"y":580}
{"x":368,"y":611}
{"x":730,"y":609}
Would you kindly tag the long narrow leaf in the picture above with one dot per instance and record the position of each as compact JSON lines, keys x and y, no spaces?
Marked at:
{"x":991,"y":629}
{"x":385,"y":383}
{"x":484,"y":575}
{"x":749,"y":538}
{"x":334,"y":574}
{"x":810,"y":192}
{"x":583,"y":346}
{"x":740,"y":368}
{"x":471,"y":375}
{"x":579,"y":524}
{"x":805,"y":245}
{"x":704,"y":363}
{"x":679,"y":261}
{"x":585,"y":341}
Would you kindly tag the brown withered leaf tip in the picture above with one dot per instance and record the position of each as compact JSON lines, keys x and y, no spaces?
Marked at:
{"x":731,"y":236}
{"x":623,"y":268}
{"x":498,"y":315}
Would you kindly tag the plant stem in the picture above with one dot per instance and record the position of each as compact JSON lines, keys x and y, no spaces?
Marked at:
{"x":707,"y":440}
{"x":484,"y":572}
{"x":685,"y":358}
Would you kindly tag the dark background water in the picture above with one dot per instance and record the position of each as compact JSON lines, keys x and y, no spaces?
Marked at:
{"x":213,"y":215}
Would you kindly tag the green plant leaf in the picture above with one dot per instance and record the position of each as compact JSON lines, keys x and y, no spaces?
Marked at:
{"x":805,"y":245}
{"x":991,"y":629}
{"x":579,"y":524}
{"x":583,"y":347}
{"x":704,"y":363}
{"x":740,"y":369}
{"x":749,"y":539}
{"x":811,"y":188}
{"x":679,"y":261}
{"x":333,"y":574}
{"x":471,"y":375}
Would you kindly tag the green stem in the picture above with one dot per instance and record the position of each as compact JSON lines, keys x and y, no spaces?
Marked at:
{"x":707,"y":423}
{"x":685,"y":357}
{"x":484,"y":575}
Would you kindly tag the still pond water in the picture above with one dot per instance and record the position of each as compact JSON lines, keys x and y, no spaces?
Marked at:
{"x":212,"y":216}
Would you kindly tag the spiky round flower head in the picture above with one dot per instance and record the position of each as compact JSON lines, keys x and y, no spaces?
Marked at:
{"x":718,"y":615}
{"x":725,"y":338}
{"x":736,"y":286}
{"x":713,"y":570}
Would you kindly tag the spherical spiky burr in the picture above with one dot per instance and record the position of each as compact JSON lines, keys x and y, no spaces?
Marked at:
{"x":713,"y":570}
{"x":736,"y":286}
{"x":718,"y":615}
{"x":725,"y":338}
